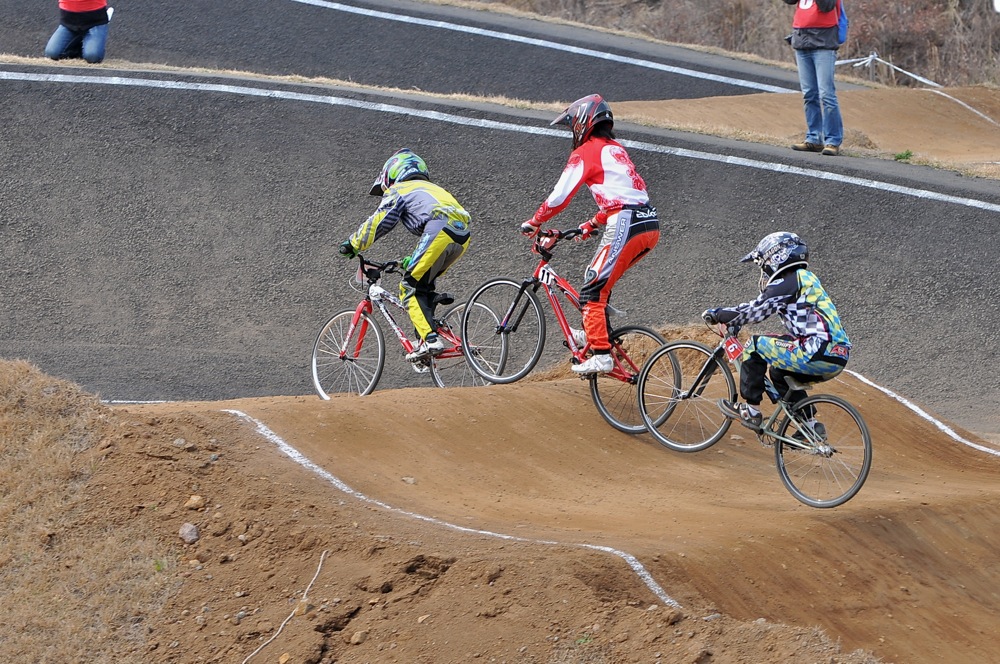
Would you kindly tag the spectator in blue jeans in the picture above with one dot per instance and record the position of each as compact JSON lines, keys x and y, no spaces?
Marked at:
{"x":814,"y":38}
{"x":82,"y":31}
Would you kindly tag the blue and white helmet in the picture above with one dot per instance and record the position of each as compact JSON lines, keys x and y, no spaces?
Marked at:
{"x":776,"y":252}
{"x":404,"y":165}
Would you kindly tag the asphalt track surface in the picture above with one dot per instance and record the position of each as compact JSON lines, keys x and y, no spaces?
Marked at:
{"x":172,"y":235}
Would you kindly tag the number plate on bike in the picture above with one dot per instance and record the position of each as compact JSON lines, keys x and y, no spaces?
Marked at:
{"x":733,"y":349}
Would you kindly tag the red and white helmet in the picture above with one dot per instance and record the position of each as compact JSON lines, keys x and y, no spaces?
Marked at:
{"x":583,"y":115}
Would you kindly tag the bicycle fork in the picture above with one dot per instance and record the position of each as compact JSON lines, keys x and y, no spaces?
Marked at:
{"x":700,"y":382}
{"x":363,"y":308}
{"x":512,"y":320}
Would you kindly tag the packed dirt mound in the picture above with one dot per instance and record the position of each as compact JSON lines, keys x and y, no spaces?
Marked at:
{"x":953,"y":127}
{"x":507,"y":523}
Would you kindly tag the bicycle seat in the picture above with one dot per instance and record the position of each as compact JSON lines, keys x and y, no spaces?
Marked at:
{"x":618,"y":313}
{"x":801,"y":385}
{"x":443,"y":298}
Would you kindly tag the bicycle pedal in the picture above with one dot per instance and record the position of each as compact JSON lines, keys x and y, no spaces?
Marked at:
{"x":765,"y":441}
{"x":420,"y":367}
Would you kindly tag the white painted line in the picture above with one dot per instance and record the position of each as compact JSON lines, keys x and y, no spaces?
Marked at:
{"x":296,"y":456}
{"x":927,"y":416}
{"x":601,"y":55}
{"x":966,"y":106}
{"x":819,"y":175}
{"x":499,"y":126}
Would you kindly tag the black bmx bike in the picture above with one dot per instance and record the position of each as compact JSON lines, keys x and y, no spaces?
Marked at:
{"x":823,"y":465}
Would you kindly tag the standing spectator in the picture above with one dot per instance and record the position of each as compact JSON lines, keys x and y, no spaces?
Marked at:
{"x":814,"y":38}
{"x":82,"y":31}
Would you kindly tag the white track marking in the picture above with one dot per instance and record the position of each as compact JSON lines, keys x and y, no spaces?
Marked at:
{"x":966,"y":106}
{"x":542,"y":43}
{"x":452,"y":118}
{"x":944,"y":428}
{"x":297,"y":456}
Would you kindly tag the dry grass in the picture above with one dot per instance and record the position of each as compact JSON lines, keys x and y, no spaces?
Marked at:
{"x":72,"y":589}
{"x":952,"y":43}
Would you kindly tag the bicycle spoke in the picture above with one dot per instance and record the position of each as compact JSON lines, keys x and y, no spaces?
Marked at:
{"x":829,"y":468}
{"x":679,"y":389}
{"x":360,"y":367}
{"x":508,"y":353}
{"x":615,"y":394}
{"x":451,"y":369}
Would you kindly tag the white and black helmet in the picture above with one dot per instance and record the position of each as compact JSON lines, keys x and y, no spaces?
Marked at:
{"x":777,"y":252}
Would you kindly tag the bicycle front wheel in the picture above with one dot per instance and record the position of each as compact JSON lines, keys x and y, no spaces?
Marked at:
{"x":451,"y":369}
{"x":679,"y":389}
{"x":615,"y":395}
{"x":348,"y":364}
{"x":825,"y":466}
{"x":507,"y":351}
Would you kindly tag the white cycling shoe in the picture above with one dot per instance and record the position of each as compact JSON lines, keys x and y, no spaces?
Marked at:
{"x":597,"y":364}
{"x":430,"y":347}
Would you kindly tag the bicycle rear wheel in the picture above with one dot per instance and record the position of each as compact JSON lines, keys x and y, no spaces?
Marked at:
{"x":828,"y":467}
{"x":452,"y":369}
{"x":508,"y":351}
{"x":616,"y":397}
{"x":359,"y":367}
{"x":679,"y":389}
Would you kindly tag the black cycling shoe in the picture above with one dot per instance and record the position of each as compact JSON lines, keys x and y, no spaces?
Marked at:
{"x":740,"y":411}
{"x":818,"y":428}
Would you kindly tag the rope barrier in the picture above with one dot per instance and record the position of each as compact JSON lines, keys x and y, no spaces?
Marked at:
{"x":873,"y":58}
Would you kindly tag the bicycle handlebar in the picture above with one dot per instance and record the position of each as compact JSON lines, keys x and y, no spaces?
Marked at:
{"x":560,"y":234}
{"x":384,"y":268}
{"x":373,"y":271}
{"x":723,"y":329}
{"x":546,"y":240}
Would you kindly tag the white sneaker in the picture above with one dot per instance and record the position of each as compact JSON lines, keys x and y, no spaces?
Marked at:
{"x":419,"y":353}
{"x":427,"y":348}
{"x":596,"y":364}
{"x":579,"y":337}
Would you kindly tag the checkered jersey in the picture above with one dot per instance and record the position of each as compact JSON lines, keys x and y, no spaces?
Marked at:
{"x":805,"y":308}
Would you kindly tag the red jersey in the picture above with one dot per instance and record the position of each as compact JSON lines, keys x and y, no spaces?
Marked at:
{"x":604,"y":166}
{"x":809,"y":15}
{"x":77,"y":6}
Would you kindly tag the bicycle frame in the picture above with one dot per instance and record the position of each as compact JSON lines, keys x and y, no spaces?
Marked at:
{"x":732,"y":348}
{"x":548,"y":280}
{"x":377,"y":297}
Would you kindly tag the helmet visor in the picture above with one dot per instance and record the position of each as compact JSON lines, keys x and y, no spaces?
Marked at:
{"x":564,"y":118}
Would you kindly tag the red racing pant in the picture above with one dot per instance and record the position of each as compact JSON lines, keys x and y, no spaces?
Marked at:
{"x":626,"y":240}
